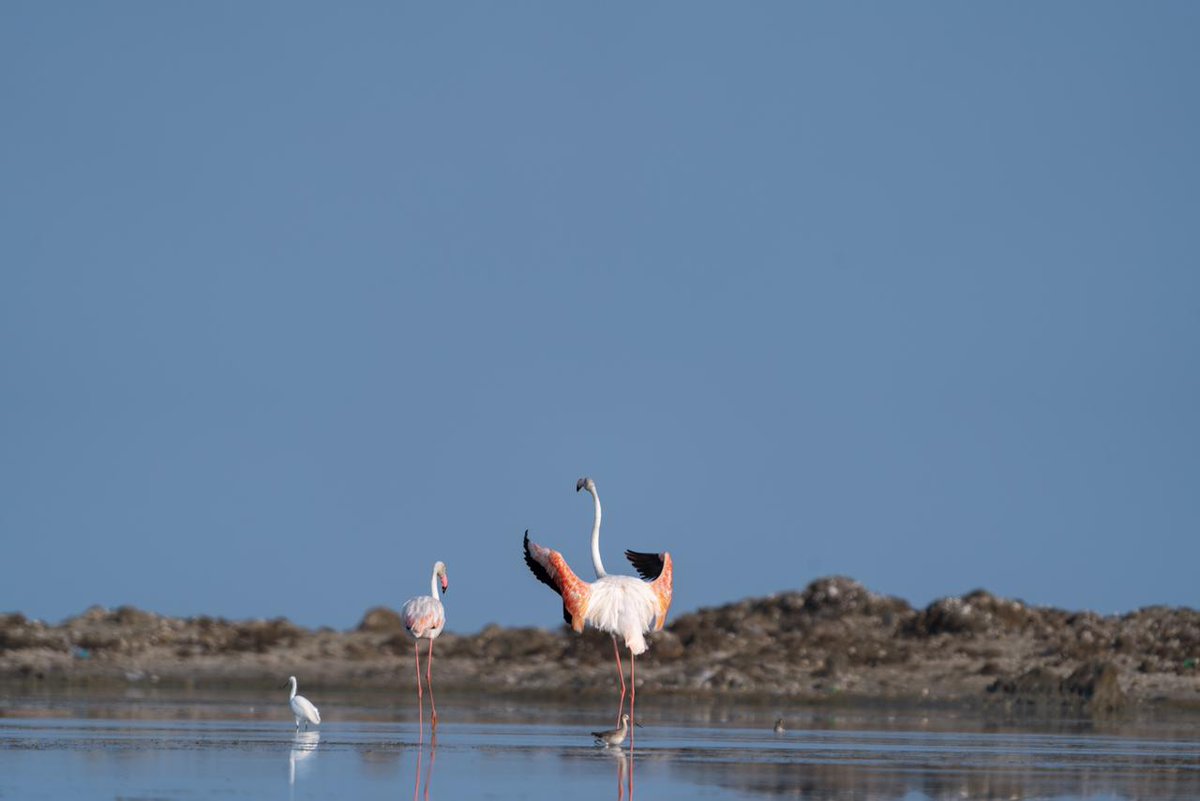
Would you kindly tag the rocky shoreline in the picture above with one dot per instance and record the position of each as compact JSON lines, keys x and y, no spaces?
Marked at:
{"x":835,"y":641}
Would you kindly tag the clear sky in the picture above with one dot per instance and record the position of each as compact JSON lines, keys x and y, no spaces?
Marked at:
{"x":298,"y":298}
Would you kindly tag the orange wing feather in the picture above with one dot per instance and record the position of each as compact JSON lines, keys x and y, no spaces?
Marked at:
{"x":550,"y":568}
{"x":663,"y":590}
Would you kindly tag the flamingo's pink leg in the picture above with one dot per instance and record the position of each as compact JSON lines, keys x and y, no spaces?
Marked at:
{"x":621,"y":676}
{"x":632,"y":697}
{"x":429,"y":683}
{"x":420,"y":703}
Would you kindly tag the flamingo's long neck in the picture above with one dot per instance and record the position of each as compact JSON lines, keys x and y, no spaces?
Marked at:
{"x":293,"y":683}
{"x":433,"y":587}
{"x":596,"y":562}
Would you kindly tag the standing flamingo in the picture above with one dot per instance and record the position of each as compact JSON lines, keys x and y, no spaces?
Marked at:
{"x":621,"y":605}
{"x":425,"y":617}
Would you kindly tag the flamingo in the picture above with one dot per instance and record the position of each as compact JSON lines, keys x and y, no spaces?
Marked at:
{"x":425,"y":617}
{"x":302,"y":708}
{"x":623,"y":606}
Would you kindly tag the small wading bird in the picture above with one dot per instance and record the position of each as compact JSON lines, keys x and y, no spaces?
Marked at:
{"x":425,"y":617}
{"x":623,"y":606}
{"x":302,"y":708}
{"x":613,"y":736}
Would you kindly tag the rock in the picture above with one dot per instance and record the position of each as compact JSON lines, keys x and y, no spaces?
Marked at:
{"x":834,"y":666}
{"x":1093,"y":688}
{"x":975,"y":613}
{"x":132,"y":617}
{"x":381,"y":620}
{"x":93,"y":614}
{"x":1096,"y":683}
{"x":666,"y":645}
{"x":262,"y":635}
{"x":12,"y":620}
{"x":521,"y":644}
{"x":18,"y":633}
{"x":834,"y":635}
{"x":1164,"y":638}
{"x":949,"y":616}
{"x":835,"y":596}
{"x":1035,"y":683}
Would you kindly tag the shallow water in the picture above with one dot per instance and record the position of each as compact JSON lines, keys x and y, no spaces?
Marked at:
{"x":166,"y":748}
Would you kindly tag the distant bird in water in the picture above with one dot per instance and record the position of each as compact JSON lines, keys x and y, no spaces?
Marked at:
{"x":621,"y":605}
{"x":425,"y":617}
{"x":779,"y":726}
{"x":613,"y":736}
{"x":302,"y":708}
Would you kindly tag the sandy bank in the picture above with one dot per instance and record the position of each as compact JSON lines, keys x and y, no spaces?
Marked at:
{"x":835,"y":639}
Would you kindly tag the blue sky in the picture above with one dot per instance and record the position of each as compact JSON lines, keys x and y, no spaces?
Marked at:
{"x":296,"y":300}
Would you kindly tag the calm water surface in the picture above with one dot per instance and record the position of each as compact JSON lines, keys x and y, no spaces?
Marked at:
{"x":156,"y":747}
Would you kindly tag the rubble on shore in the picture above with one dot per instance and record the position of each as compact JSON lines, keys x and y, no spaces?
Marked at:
{"x":835,"y":639}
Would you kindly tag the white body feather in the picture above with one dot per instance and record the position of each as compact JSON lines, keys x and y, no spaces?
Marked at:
{"x":623,"y":606}
{"x":302,"y":708}
{"x":424,"y":617}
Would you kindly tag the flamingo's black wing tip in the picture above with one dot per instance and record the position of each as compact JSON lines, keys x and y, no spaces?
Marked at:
{"x":648,"y":565}
{"x":537,"y":568}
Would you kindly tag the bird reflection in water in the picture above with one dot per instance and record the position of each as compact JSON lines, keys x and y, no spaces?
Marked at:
{"x":624,"y":771}
{"x":429,"y":770}
{"x":304,"y":745}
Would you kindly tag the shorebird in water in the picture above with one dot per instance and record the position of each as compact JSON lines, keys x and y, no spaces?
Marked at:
{"x":779,"y":726}
{"x":613,"y":736}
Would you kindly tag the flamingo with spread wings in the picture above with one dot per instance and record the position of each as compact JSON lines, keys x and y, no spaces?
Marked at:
{"x":623,"y":606}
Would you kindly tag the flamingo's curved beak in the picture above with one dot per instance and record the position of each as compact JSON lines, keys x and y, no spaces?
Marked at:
{"x":445,"y":584}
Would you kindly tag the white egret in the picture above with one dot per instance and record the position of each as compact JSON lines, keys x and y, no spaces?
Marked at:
{"x":302,"y":708}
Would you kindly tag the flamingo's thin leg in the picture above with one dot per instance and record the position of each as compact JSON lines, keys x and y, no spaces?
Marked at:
{"x":633,"y":691}
{"x":632,"y":696}
{"x":429,"y":683}
{"x":420,"y":702}
{"x":621,"y":676}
